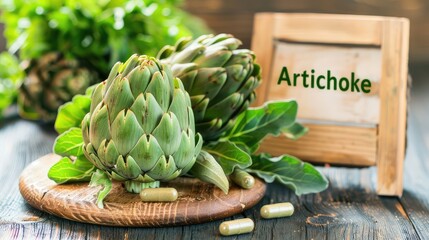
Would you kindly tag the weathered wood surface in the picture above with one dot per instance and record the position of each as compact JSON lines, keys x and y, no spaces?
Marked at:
{"x":349,"y":209}
{"x":197,"y":202}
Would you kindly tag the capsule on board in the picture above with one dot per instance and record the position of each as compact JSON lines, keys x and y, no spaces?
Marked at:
{"x":243,"y":179}
{"x":159,"y":195}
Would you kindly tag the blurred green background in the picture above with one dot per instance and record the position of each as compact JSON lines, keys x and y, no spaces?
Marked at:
{"x":64,"y":46}
{"x":236,"y":16}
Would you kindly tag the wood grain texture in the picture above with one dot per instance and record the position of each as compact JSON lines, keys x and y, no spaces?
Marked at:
{"x":342,"y":145}
{"x":197,"y":202}
{"x":393,"y":106}
{"x":344,"y":29}
{"x":415,"y":199}
{"x":384,"y":110}
{"x":263,"y":42}
{"x":348,"y":209}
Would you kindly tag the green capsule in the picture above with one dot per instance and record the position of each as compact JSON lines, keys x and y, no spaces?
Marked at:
{"x":243,"y":179}
{"x":277,"y":210}
{"x":159,"y":195}
{"x":239,"y":226}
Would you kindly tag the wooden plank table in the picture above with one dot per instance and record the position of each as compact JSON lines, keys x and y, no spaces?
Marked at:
{"x":349,"y":209}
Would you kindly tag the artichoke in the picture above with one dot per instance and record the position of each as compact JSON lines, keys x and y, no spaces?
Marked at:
{"x":219,"y":78}
{"x":51,"y":81}
{"x":140,"y":129}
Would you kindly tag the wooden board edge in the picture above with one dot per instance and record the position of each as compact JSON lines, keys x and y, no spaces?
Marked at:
{"x":39,"y":193}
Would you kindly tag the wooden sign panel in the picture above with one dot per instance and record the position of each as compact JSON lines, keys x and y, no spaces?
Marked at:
{"x":329,"y":105}
{"x":348,"y":74}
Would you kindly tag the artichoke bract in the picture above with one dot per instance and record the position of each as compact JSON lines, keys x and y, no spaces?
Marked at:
{"x":51,"y":81}
{"x":219,"y":78}
{"x":140,"y":128}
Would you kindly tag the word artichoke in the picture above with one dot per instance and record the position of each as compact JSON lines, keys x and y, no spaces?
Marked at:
{"x":219,"y":78}
{"x":140,"y":128}
{"x":51,"y":81}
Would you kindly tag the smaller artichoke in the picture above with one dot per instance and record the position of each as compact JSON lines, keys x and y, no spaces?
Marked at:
{"x":219,"y":77}
{"x":51,"y":81}
{"x":140,"y":129}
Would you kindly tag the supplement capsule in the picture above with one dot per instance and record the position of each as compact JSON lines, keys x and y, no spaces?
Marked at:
{"x":277,"y":210}
{"x":159,"y":195}
{"x":243,"y":179}
{"x":238,"y":226}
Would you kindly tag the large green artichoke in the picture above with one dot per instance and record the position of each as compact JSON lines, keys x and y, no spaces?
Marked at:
{"x":51,"y":81}
{"x":141,"y":128}
{"x":219,"y":78}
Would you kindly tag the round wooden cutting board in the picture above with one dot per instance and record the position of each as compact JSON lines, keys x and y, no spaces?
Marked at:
{"x":198,"y":201}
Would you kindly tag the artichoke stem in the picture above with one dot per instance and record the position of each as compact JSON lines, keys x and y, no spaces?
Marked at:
{"x":137,"y":187}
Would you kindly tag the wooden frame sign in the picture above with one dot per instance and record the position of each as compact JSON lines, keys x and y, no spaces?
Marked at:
{"x":349,"y":76}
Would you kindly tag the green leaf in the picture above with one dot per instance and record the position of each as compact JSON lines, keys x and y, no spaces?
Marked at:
{"x":67,"y":170}
{"x":69,"y":143}
{"x":100,"y":178}
{"x":229,"y":156}
{"x":295,"y":131}
{"x":299,"y":176}
{"x":72,"y":113}
{"x":256,"y":123}
{"x":207,"y":169}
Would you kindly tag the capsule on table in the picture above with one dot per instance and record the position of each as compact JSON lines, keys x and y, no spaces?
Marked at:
{"x":277,"y":210}
{"x":159,"y":195}
{"x":243,"y":179}
{"x":239,"y":226}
